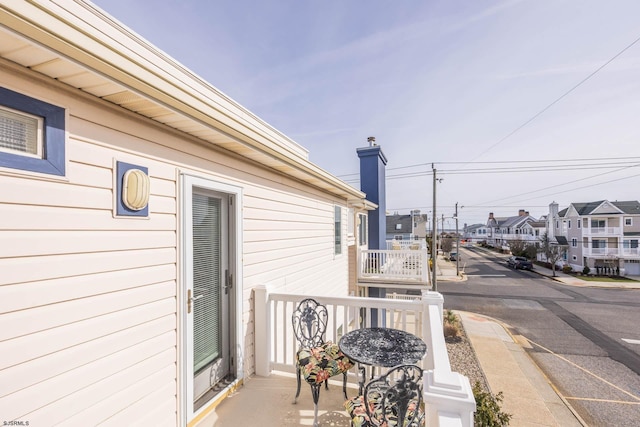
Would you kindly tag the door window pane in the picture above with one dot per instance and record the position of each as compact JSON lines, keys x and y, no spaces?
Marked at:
{"x":206,"y":280}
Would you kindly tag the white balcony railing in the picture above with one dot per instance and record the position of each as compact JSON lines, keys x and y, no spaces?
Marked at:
{"x":448,"y":396}
{"x":602,"y":252}
{"x":631,"y":252}
{"x":601,"y":231}
{"x":406,"y":244}
{"x":393,"y":266}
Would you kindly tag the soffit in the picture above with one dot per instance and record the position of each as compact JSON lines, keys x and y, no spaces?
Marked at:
{"x":85,"y":49}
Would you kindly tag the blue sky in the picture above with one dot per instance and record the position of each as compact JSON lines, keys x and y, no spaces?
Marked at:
{"x":436,"y":81}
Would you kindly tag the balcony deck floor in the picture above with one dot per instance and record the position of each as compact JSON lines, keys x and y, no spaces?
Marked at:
{"x":267,"y":402}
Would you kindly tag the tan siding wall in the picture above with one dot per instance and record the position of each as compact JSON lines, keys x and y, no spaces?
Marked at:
{"x":88,"y":312}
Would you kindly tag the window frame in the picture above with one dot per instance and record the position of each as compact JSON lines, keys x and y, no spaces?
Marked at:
{"x":53,"y":160}
{"x":363,"y":229}
{"x":630,"y":219}
{"x":337,"y":230}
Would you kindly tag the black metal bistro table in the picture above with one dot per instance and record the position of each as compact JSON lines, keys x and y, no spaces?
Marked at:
{"x":385,"y":347}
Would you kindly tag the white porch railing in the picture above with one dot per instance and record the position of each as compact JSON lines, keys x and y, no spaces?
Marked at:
{"x":631,"y":252}
{"x":602,"y":251}
{"x":601,"y":231}
{"x":406,"y":244}
{"x":393,"y":266}
{"x":448,"y":396}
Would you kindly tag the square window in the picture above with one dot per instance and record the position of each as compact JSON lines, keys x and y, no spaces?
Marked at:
{"x":20,"y":133}
{"x":32,"y":134}
{"x":628,"y":221}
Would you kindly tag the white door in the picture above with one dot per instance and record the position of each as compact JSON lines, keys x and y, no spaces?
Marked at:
{"x":207,"y":291}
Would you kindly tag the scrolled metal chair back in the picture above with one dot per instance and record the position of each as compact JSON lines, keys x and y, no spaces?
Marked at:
{"x":310,"y":323}
{"x":398,"y":395}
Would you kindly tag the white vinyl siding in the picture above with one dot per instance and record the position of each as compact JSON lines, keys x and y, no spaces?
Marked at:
{"x":289,"y":243}
{"x":88,"y":302}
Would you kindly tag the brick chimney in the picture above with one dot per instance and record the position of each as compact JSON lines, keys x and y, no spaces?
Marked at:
{"x":521,"y":212}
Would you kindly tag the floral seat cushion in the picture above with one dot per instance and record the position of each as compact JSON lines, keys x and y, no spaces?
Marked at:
{"x":320,"y":363}
{"x":359,"y":417}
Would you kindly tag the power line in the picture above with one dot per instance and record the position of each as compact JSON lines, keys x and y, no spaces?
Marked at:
{"x":503,"y":162}
{"x":558,"y":185}
{"x":538,"y":114}
{"x":561,"y":168}
{"x":587,"y":186}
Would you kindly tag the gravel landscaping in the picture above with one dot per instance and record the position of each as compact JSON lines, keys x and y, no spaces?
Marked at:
{"x":463,"y":358}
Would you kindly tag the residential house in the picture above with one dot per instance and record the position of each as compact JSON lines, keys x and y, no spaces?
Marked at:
{"x":475,"y":233}
{"x":602,"y":235}
{"x":141,"y":207}
{"x":502,"y":230}
{"x":407,"y":227}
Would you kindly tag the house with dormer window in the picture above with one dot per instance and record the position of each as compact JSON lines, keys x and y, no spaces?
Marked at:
{"x":602,"y":235}
{"x":502,"y":230}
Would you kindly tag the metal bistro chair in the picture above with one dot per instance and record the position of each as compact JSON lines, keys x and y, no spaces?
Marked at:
{"x":315,"y":359}
{"x":394,"y":399}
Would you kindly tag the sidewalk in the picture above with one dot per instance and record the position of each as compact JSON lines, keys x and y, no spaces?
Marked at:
{"x":528,"y":395}
{"x":576,"y":281}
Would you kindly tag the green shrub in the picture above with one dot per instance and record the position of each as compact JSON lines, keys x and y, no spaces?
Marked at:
{"x":586,"y":270}
{"x":567,"y":269}
{"x":488,"y":411}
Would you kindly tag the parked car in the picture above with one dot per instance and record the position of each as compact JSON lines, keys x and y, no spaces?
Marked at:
{"x":453,"y":256}
{"x":519,"y":262}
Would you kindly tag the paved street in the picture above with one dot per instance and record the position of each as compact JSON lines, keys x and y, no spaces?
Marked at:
{"x":586,"y":340}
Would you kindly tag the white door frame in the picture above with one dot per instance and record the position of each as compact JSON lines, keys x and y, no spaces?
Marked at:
{"x":235,"y":193}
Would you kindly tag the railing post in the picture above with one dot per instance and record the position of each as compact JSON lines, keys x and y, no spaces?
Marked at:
{"x":425,"y":266}
{"x":429,"y":330}
{"x":448,"y":395}
{"x":261,"y":335}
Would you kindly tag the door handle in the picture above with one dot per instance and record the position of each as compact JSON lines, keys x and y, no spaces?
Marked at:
{"x":228,"y":281}
{"x":191,"y":299}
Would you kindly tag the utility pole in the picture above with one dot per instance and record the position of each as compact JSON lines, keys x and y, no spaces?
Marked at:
{"x":457,"y":244}
{"x":434,"y":236}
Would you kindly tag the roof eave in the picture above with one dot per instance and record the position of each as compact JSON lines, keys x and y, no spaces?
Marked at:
{"x":85,"y":36}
